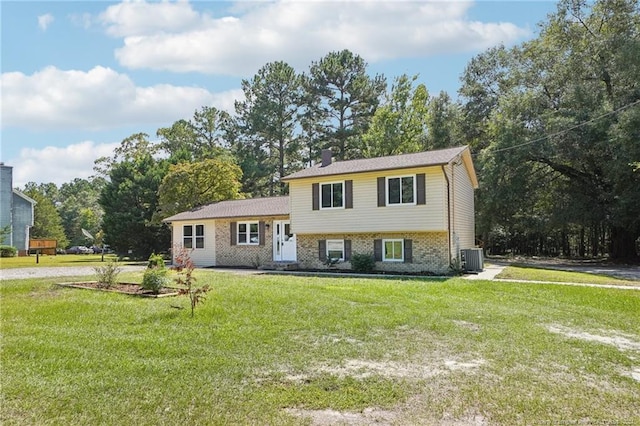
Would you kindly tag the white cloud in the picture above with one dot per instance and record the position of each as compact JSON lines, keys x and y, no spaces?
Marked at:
{"x":135,"y":18}
{"x":98,"y":99}
{"x":175,"y":37}
{"x":45,"y":165}
{"x":84,"y":20}
{"x":45,"y":20}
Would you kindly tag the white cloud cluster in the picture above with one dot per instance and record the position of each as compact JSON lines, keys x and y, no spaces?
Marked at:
{"x":100,"y":98}
{"x":175,"y":37}
{"x":139,"y":18}
{"x":44,"y":165}
{"x":45,"y":20}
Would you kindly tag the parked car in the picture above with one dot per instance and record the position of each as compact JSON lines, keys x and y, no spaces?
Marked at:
{"x":79,"y":250}
{"x":98,"y":249}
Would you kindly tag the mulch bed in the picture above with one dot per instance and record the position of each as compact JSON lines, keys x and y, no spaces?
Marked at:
{"x":124,"y":288}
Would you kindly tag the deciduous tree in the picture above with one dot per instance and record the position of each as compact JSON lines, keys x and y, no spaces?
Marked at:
{"x":46,"y":221}
{"x":189,"y":185}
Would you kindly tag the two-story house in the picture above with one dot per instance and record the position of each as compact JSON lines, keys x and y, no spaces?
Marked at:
{"x":412,"y":212}
{"x":16,"y":212}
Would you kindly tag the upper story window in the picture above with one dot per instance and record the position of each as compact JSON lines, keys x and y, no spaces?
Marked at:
{"x":193,"y":236}
{"x":332,"y":195}
{"x":248,"y":233}
{"x":401,"y":190}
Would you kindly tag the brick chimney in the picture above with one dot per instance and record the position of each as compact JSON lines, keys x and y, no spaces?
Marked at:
{"x":326,"y":157}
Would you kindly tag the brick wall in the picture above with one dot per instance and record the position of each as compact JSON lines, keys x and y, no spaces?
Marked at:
{"x":430,"y":251}
{"x":243,"y":255}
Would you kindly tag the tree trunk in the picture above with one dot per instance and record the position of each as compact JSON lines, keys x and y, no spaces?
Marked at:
{"x":595,"y":240}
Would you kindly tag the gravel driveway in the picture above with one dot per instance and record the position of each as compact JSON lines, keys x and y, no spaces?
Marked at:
{"x":59,"y":271}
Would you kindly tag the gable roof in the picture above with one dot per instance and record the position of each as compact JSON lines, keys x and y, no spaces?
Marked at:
{"x":250,"y":207}
{"x":24,"y":197}
{"x":402,"y":161}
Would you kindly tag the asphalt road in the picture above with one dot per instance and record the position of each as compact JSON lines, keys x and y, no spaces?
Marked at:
{"x":629,"y":272}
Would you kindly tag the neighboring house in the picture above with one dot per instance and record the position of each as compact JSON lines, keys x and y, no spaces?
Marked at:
{"x":412,"y":212}
{"x":16,"y":212}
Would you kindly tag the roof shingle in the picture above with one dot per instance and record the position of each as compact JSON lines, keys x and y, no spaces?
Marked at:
{"x":251,"y":207}
{"x":403,"y":161}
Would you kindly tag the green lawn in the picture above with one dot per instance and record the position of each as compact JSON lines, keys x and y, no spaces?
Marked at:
{"x":554,"y":275}
{"x":59,"y":260}
{"x":278,"y":350}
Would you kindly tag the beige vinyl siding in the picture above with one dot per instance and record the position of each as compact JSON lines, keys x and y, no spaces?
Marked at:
{"x":462,"y":209}
{"x":366,"y":216}
{"x":201,"y":257}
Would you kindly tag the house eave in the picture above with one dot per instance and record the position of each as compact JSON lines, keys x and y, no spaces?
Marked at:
{"x":373,"y":170}
{"x":195,"y":219}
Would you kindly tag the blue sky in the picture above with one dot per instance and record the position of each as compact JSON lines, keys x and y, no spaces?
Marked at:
{"x":80,"y":76}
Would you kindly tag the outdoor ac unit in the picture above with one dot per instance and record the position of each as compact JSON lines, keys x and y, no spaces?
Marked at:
{"x":472,"y":259}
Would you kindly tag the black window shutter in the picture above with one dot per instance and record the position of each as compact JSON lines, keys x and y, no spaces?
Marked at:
{"x":377,"y":250}
{"x":348,"y":194}
{"x":261,"y":236}
{"x":382,"y":194}
{"x":234,"y":233}
{"x":408,"y":251}
{"x":347,"y":250}
{"x":420,"y":189}
{"x":315,"y":194}
{"x":322,"y":250}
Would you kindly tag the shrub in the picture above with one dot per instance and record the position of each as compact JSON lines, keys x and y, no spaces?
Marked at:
{"x":8,"y":251}
{"x":455,"y":267}
{"x":107,"y":275}
{"x":156,"y":261}
{"x":363,"y":263}
{"x":154,"y":279}
{"x":331,"y":261}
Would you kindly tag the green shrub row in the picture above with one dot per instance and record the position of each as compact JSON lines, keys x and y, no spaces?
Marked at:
{"x":8,"y":251}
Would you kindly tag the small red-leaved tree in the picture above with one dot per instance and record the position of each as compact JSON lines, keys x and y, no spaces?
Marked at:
{"x":185,"y":280}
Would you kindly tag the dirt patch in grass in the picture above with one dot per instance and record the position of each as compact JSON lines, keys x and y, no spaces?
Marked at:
{"x":635,"y":374}
{"x":367,"y":416}
{"x":132,"y":289}
{"x":362,"y":369}
{"x":620,"y":340}
{"x":468,"y":325}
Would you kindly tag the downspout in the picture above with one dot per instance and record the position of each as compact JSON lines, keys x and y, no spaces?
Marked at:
{"x":446,"y":178}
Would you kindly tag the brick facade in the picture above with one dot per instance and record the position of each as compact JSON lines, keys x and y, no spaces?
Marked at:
{"x":430,"y":251}
{"x":244,"y":255}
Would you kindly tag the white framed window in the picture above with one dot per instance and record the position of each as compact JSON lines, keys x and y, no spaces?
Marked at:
{"x":332,"y":195}
{"x":393,"y":250}
{"x":193,"y":236}
{"x":401,"y":190}
{"x":335,"y":249}
{"x":248,"y":233}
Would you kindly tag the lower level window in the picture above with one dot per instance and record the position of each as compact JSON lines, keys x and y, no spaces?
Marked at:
{"x":248,"y":233}
{"x":335,"y":249}
{"x":193,"y":236}
{"x":393,"y":250}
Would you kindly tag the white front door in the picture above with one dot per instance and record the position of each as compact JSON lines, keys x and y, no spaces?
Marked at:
{"x":284,"y":242}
